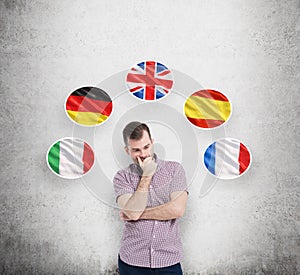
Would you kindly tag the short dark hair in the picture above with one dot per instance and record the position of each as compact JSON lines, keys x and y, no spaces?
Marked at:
{"x":134,"y":130}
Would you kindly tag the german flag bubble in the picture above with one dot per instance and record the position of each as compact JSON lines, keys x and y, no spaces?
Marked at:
{"x":207,"y":109}
{"x":88,"y":106}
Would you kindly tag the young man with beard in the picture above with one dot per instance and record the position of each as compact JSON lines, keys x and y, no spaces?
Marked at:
{"x":152,"y":196}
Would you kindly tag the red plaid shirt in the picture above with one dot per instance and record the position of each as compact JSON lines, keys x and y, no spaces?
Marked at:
{"x":152,"y":243}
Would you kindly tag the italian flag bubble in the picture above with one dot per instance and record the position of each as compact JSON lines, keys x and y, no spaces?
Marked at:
{"x":70,"y":158}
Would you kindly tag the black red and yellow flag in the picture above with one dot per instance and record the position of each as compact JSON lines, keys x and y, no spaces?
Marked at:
{"x":89,"y":106}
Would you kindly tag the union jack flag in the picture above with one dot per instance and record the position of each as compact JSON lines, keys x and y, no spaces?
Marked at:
{"x":149,"y":80}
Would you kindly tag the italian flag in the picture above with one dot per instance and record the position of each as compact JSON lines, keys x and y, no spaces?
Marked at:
{"x":70,"y":157}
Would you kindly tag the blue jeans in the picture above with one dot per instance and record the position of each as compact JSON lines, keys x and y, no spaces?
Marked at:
{"x":126,"y":269}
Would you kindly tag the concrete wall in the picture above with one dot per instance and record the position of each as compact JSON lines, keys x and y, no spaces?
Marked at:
{"x":248,"y":49}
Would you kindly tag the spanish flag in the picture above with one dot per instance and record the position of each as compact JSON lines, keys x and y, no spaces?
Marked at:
{"x":207,"y":108}
{"x":89,"y":106}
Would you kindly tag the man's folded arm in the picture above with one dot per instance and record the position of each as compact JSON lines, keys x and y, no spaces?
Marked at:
{"x":133,"y":205}
{"x":173,"y":209}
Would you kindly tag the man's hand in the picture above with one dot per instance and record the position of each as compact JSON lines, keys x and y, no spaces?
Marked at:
{"x":148,"y":166}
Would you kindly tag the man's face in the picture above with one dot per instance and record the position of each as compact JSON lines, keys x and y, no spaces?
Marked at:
{"x":142,"y":148}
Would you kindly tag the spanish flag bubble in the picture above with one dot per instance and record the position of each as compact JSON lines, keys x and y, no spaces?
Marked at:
{"x":88,"y":106}
{"x":207,"y":109}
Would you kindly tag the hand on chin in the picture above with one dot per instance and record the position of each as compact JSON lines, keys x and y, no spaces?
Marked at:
{"x":142,"y":159}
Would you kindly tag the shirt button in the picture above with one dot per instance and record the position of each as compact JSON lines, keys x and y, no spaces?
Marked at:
{"x":155,"y":222}
{"x":152,"y":249}
{"x":151,"y":186}
{"x":153,"y":236}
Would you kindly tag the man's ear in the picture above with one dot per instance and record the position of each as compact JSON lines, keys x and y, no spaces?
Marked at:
{"x":152,"y":140}
{"x":126,"y":149}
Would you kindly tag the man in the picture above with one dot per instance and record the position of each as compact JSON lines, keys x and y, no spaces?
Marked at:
{"x":152,"y":195}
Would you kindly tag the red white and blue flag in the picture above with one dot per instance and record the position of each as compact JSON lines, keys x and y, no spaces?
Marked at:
{"x":149,"y":80}
{"x":227,"y":158}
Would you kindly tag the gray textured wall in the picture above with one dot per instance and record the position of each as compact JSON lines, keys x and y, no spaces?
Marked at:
{"x":248,"y":49}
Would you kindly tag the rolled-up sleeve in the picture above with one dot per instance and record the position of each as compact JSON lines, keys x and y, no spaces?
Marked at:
{"x":179,"y":179}
{"x":122,"y":185}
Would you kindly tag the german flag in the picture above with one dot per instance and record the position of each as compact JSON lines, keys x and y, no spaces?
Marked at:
{"x":207,"y":108}
{"x":89,"y":106}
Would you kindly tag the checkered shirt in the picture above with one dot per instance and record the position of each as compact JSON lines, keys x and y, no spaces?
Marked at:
{"x":151,"y":243}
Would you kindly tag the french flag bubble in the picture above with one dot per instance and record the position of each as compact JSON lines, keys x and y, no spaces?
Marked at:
{"x":227,"y":158}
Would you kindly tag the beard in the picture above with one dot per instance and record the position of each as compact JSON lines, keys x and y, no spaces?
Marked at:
{"x":151,"y":154}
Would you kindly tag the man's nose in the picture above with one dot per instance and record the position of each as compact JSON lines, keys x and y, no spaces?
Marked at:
{"x":143,"y":153}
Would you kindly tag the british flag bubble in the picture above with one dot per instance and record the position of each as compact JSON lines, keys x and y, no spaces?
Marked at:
{"x":149,"y":81}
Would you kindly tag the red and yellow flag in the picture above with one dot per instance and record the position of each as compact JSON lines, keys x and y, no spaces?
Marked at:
{"x":207,"y":108}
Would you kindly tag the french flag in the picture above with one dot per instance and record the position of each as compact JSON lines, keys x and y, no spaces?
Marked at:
{"x":227,"y":158}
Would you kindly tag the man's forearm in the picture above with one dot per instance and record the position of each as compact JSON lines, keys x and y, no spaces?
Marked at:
{"x":162,"y":212}
{"x":137,"y":203}
{"x":168,"y":211}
